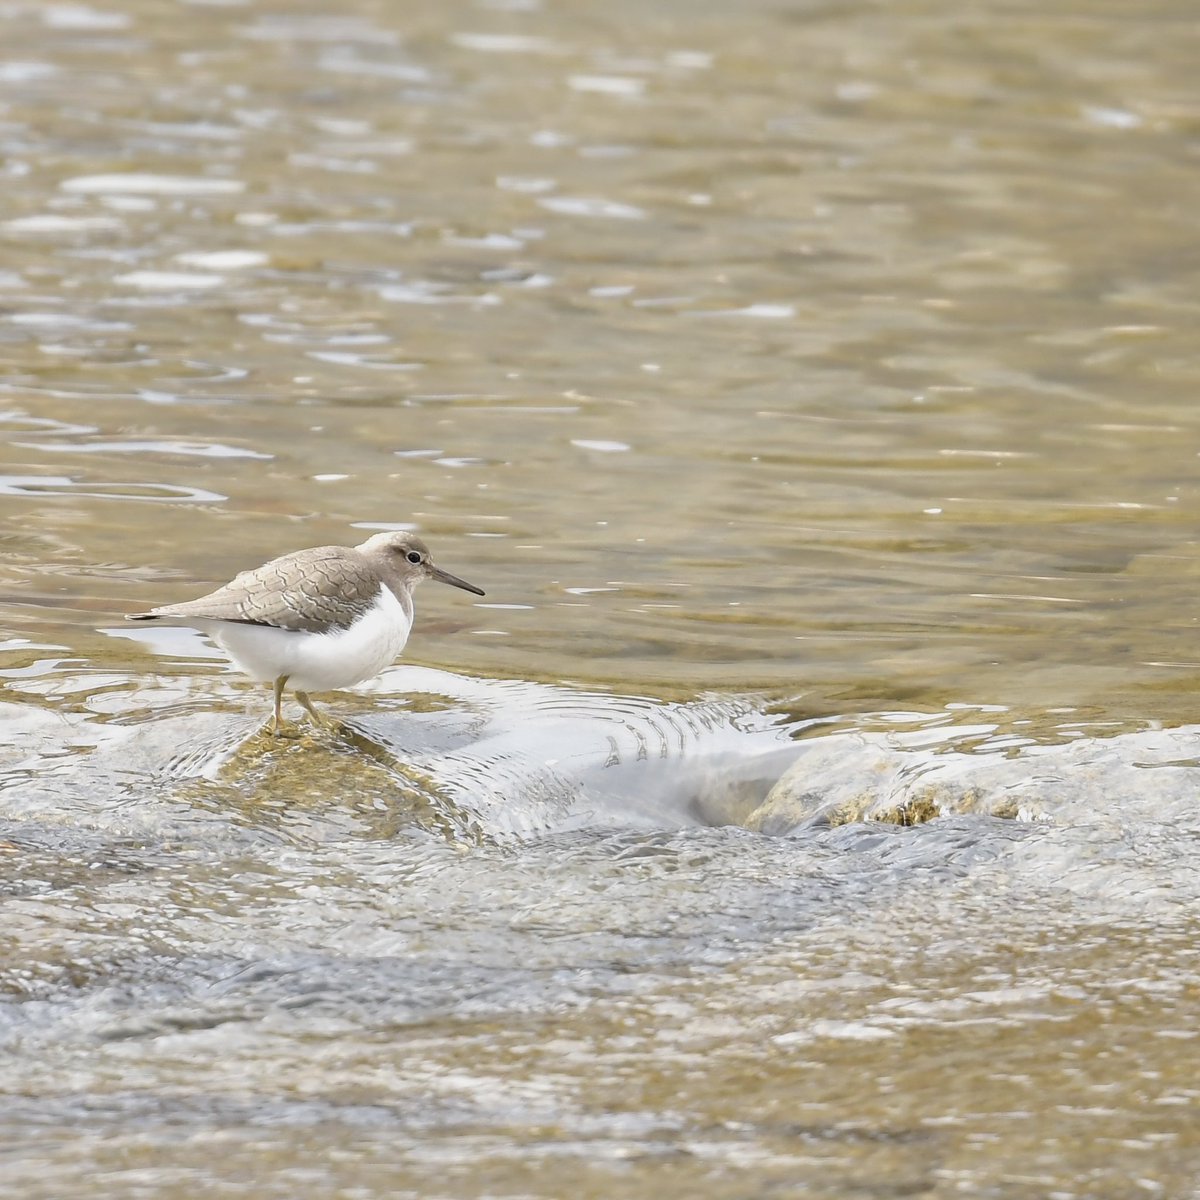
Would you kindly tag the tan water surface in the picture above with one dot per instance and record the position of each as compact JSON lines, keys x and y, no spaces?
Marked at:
{"x":812,"y":387}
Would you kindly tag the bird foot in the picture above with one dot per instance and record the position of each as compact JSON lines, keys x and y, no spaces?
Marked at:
{"x":317,"y":717}
{"x":329,"y":724}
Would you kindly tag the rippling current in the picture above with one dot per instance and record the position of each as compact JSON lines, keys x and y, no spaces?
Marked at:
{"x":808,"y":808}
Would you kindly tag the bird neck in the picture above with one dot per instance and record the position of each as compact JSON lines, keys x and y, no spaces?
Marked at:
{"x":404,"y":598}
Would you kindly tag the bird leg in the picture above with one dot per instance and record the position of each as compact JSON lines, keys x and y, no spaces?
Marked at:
{"x":277,"y":726}
{"x":318,"y":717}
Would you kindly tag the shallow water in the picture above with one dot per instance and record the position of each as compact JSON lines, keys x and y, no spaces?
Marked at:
{"x":808,"y":807}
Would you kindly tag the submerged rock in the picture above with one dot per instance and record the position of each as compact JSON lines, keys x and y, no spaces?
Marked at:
{"x":846,"y":777}
{"x":470,"y":759}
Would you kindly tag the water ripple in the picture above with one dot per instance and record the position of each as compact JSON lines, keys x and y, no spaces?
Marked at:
{"x":593,"y":206}
{"x":61,"y":485}
{"x":169,"y":281}
{"x":144,"y":184}
{"x":146,"y":446}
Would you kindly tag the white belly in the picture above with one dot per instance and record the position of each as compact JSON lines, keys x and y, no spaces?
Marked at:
{"x":317,"y":662}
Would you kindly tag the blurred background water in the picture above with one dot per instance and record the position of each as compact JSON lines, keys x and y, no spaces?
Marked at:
{"x":812,"y":388}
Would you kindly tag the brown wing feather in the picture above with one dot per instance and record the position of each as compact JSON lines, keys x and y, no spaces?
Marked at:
{"x":310,"y":591}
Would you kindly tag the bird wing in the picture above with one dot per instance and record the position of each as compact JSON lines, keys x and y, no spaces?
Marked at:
{"x":310,"y":591}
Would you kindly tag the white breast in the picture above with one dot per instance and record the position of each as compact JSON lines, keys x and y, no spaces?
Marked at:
{"x":318,"y":662}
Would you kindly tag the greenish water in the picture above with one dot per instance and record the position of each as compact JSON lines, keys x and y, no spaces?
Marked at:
{"x":812,"y":388}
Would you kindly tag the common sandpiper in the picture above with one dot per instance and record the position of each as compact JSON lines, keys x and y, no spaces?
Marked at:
{"x":316,"y":620}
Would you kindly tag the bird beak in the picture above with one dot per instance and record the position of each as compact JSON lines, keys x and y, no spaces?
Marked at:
{"x":453,"y":580}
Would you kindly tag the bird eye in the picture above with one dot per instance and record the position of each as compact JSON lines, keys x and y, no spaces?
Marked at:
{"x":413,"y":556}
